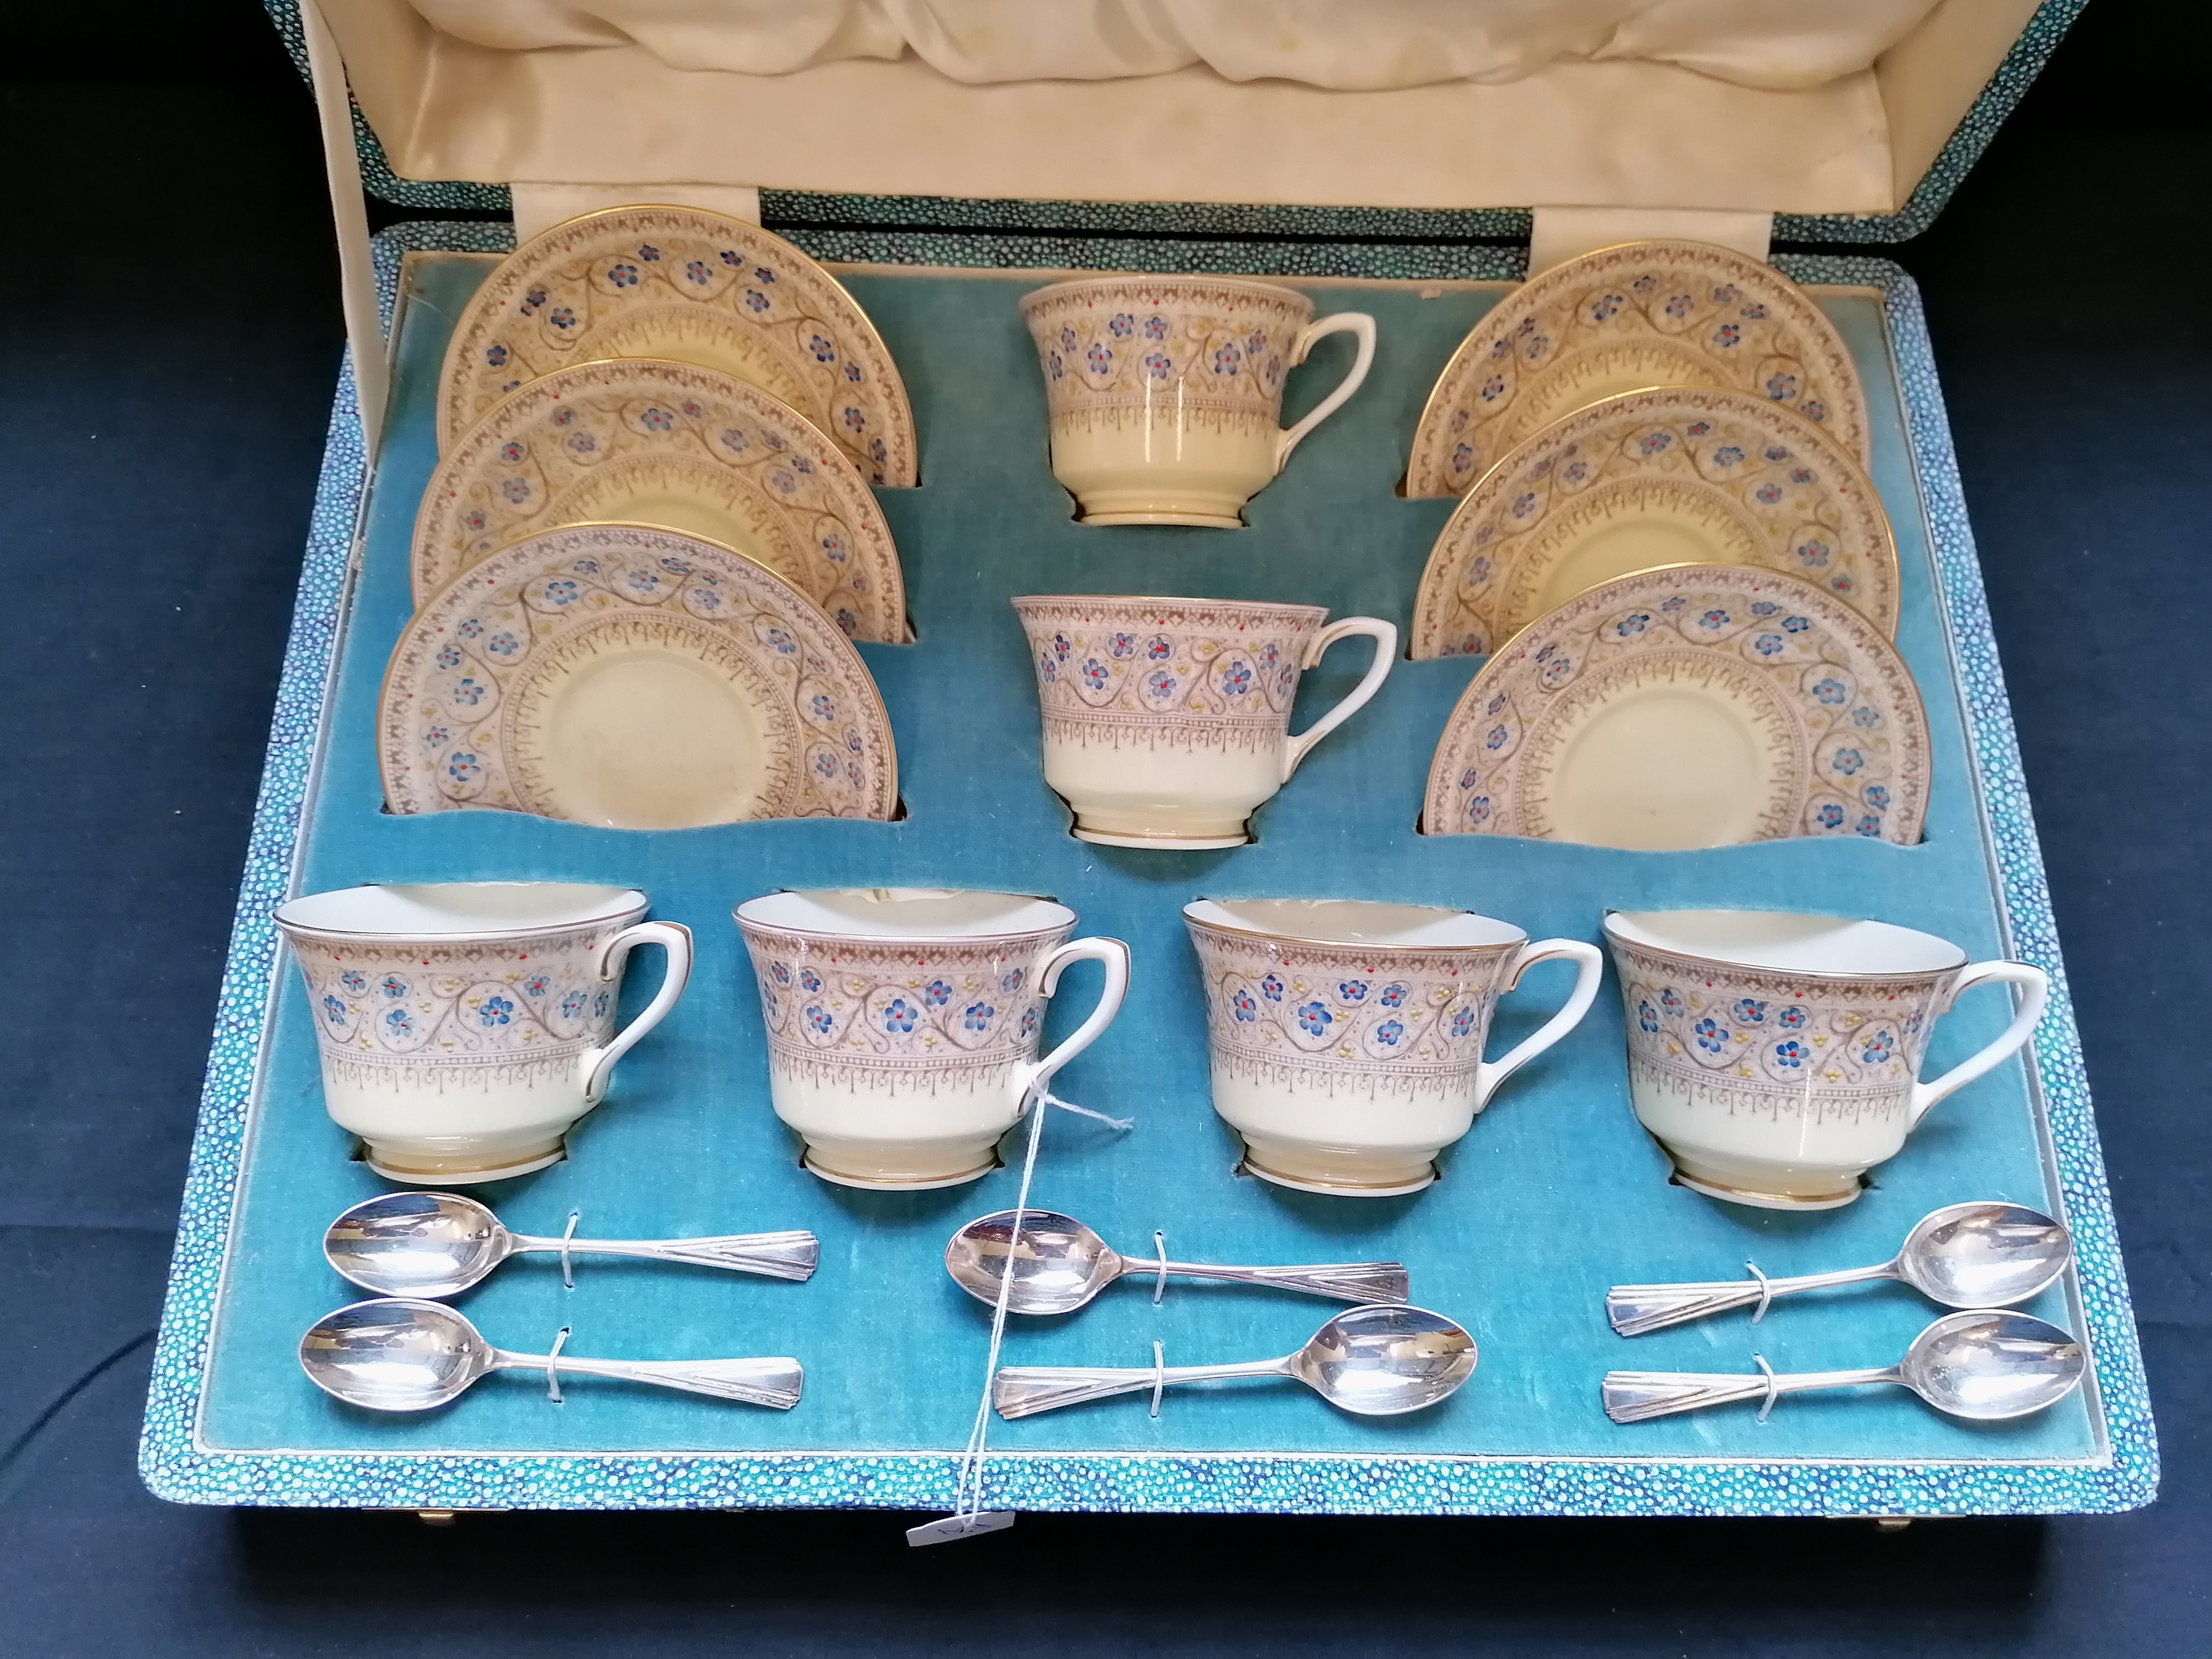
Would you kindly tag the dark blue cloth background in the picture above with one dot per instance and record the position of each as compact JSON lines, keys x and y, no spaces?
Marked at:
{"x":168,"y":338}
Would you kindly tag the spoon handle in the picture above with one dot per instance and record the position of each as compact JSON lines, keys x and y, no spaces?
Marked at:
{"x":773,"y":1383}
{"x":778,"y":1256}
{"x":1342,"y":1281}
{"x":1634,"y":1396}
{"x":1025,"y":1390}
{"x":1637,"y":1309}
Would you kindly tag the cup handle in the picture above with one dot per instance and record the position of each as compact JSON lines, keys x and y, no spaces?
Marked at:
{"x":1357,"y":322}
{"x":1385,"y":636}
{"x":1031,"y":1079}
{"x":594,"y":1065}
{"x":1589,"y":967}
{"x":2035,"y":994}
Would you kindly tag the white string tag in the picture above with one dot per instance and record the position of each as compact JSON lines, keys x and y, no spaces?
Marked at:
{"x":1766,"y":1292}
{"x":552,"y":1361}
{"x":1773,"y":1393}
{"x":1159,"y":1374}
{"x":568,"y":1271}
{"x":969,"y":1516}
{"x":1160,"y":1284}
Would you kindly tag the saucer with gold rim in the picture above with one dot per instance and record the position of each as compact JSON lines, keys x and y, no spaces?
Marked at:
{"x":1703,"y":706}
{"x":1628,"y":318}
{"x":692,"y":286}
{"x":634,"y":677}
{"x":1687,"y":475}
{"x":691,"y":449}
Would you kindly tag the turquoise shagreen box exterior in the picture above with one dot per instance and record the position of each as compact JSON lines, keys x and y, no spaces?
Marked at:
{"x":1553,"y":1196}
{"x":785,"y":210}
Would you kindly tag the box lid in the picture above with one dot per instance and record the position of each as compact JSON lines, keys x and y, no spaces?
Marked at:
{"x":1869,"y":154}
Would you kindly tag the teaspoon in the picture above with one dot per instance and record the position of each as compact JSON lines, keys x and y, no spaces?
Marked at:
{"x":1376,"y":1361}
{"x":1963,"y":1255}
{"x":1985,"y":1366}
{"x":438,"y":1244}
{"x":1061,"y":1264}
{"x":399,"y":1355}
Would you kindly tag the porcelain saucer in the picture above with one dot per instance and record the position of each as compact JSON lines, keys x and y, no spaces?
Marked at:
{"x":1628,"y":318}
{"x":696,"y":287}
{"x":1682,"y":476}
{"x":691,"y":449}
{"x":635,"y":677}
{"x":1704,"y":706}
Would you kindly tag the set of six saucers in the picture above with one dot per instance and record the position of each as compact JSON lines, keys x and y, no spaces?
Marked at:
{"x":640,"y":566}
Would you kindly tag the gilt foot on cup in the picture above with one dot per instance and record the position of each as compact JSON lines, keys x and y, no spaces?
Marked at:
{"x":412,"y":1166}
{"x":1341,"y":1176}
{"x":1775,"y":1192}
{"x":880,"y":1168}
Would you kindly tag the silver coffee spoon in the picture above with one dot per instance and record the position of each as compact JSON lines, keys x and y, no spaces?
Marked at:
{"x":1063,"y":1264}
{"x":1375,"y":1362}
{"x":438,"y":1244}
{"x":1963,"y":1255}
{"x":399,"y":1355}
{"x":1982,"y":1365}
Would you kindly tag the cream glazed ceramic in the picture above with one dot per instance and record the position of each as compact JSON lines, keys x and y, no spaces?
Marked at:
{"x":694,"y":286}
{"x":634,"y":677}
{"x":1627,"y":319}
{"x":1166,"y":392}
{"x":686,"y":449}
{"x":464,"y":1028}
{"x":1777,"y":1057}
{"x":1167,"y":721}
{"x":903,"y":1024}
{"x":1346,"y":1037}
{"x":1700,"y":707}
{"x":1682,"y":476}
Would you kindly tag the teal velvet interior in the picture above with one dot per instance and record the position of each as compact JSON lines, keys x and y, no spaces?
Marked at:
{"x":1555,"y":1195}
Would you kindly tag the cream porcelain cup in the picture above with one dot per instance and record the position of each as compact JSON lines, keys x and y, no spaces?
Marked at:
{"x":1167,"y":722}
{"x":1165,"y":393}
{"x":466,"y":1027}
{"x":903,"y":1024}
{"x":1777,"y":1057}
{"x":1346,"y":1037}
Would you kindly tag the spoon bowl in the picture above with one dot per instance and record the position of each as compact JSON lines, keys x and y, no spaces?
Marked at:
{"x":394,"y":1355}
{"x":1384,"y":1361}
{"x":417,"y":1244}
{"x":1983,"y":1254}
{"x":1059,"y":1265}
{"x":1990,"y":1367}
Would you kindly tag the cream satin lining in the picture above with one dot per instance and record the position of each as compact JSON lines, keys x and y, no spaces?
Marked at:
{"x":1362,"y":45}
{"x":1611,"y":132}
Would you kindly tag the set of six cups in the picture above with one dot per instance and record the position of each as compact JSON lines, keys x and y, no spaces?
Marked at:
{"x":465,"y":1028}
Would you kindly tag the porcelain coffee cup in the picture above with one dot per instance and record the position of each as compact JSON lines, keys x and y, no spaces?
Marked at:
{"x":1167,"y":722}
{"x":1165,"y":393}
{"x":903,"y":1024}
{"x":1346,"y":1037}
{"x":1777,"y":1057}
{"x":466,"y":1027}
